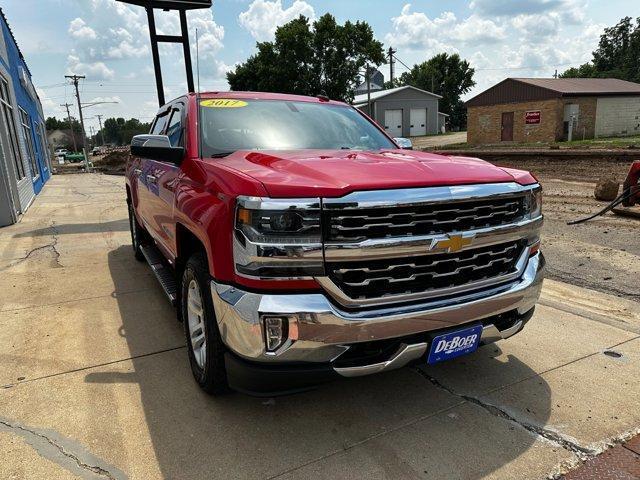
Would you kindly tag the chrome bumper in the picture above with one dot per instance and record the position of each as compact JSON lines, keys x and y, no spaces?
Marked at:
{"x":319,"y":332}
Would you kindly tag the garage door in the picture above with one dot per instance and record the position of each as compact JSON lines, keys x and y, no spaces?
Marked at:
{"x":393,"y":122}
{"x":418,"y":124}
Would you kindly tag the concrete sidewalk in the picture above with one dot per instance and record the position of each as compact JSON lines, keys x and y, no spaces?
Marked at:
{"x":97,"y":381}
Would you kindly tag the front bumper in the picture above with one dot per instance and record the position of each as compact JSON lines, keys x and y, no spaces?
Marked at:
{"x":320,"y":332}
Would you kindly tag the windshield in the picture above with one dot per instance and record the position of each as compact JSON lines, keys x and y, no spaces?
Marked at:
{"x":229,"y":125}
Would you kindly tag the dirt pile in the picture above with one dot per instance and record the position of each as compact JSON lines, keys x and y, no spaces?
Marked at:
{"x":112,"y":163}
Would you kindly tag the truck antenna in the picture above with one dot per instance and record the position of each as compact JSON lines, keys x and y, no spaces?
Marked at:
{"x":198,"y":60}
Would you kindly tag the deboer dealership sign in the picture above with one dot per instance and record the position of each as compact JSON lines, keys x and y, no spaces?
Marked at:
{"x":532,"y":118}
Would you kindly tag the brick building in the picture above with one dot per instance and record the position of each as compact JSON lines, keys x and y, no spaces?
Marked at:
{"x":553,"y":109}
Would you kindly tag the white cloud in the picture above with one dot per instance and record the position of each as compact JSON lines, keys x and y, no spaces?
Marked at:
{"x":416,"y":31}
{"x":477,"y":30}
{"x":511,"y":7}
{"x":537,"y":26}
{"x":50,"y":108}
{"x":264,"y":16}
{"x":95,"y":70}
{"x":570,"y":11}
{"x":78,"y":28}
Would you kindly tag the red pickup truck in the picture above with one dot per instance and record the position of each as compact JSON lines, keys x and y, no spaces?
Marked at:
{"x":300,"y":243}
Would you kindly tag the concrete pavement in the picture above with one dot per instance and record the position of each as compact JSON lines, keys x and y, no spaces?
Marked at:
{"x":97,"y":381}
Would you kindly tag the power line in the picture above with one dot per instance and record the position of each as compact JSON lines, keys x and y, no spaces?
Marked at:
{"x":402,"y":63}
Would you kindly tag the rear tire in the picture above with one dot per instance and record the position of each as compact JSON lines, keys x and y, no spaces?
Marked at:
{"x":138,"y":234}
{"x":204,"y":345}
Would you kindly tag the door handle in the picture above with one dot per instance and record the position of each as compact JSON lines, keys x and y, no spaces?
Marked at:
{"x":151,"y":179}
{"x":137,"y":171}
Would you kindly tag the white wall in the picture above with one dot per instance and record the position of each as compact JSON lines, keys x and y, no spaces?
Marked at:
{"x":618,"y":116}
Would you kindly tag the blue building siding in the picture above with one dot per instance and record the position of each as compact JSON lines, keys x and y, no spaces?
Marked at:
{"x":29,"y":103}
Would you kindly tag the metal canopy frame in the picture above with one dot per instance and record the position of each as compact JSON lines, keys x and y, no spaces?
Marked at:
{"x":181,"y":6}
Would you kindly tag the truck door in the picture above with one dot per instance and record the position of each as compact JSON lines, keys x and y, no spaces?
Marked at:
{"x":161,"y":181}
{"x":144,"y":175}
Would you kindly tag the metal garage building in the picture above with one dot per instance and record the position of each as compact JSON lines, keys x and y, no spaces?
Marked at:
{"x":24,"y":155}
{"x":404,"y":111}
{"x":554,"y":109}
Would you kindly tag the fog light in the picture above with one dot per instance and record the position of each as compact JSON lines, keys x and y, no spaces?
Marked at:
{"x":275,"y":332}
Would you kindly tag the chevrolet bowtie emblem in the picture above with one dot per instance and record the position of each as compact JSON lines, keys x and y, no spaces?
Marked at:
{"x":453,"y":243}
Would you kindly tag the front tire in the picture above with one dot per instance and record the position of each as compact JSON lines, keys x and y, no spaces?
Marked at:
{"x":204,"y":345}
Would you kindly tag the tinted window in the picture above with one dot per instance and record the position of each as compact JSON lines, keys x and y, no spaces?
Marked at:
{"x":230,"y":125}
{"x":174,"y":131}
{"x":160,"y":123}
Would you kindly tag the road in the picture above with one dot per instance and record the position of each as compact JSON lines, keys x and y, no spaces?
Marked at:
{"x":431,"y":141}
{"x":97,"y":382}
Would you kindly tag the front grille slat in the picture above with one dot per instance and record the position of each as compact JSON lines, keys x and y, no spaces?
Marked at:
{"x":357,"y":224}
{"x":361,"y":280}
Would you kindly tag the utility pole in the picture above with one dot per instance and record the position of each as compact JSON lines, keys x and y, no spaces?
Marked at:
{"x":75,"y":79}
{"x":367,"y":78}
{"x":73,"y":135}
{"x":392,"y":62}
{"x":101,"y":134}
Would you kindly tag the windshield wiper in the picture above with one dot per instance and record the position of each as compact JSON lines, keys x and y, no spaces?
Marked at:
{"x":220,"y":154}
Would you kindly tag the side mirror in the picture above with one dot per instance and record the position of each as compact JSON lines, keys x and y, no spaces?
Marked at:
{"x":404,"y":143}
{"x":156,"y":147}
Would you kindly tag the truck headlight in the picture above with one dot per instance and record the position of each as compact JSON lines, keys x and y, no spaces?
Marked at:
{"x":277,"y":238}
{"x":533,"y":203}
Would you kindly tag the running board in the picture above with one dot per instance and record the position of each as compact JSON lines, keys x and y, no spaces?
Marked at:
{"x":161,"y":271}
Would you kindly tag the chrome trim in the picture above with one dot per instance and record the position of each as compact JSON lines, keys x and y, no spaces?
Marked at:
{"x":333,"y":289}
{"x":416,"y":196}
{"x":491,"y":334}
{"x":263,"y":203}
{"x":404,"y":355}
{"x":254,"y":256}
{"x":320,"y":331}
{"x":407,"y":353}
{"x":382,"y":248}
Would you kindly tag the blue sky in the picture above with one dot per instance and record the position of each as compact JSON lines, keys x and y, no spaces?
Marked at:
{"x":108,"y":41}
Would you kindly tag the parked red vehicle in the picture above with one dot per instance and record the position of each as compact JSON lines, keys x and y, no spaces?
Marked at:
{"x":300,"y":244}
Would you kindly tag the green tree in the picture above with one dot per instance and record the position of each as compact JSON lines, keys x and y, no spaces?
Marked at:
{"x":52,"y":123}
{"x":448,"y":76}
{"x":309,"y":59}
{"x":119,"y":131}
{"x":617,"y":55}
{"x":586,"y":70}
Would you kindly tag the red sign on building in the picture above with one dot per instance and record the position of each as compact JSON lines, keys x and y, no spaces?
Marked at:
{"x":532,"y":118}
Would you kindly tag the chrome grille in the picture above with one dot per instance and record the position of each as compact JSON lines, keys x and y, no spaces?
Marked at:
{"x":357,"y":224}
{"x":361,"y":280}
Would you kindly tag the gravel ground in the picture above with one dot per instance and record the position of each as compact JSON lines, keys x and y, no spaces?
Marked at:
{"x":602,"y":254}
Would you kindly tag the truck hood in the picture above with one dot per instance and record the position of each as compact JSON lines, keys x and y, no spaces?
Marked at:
{"x":334,"y":173}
